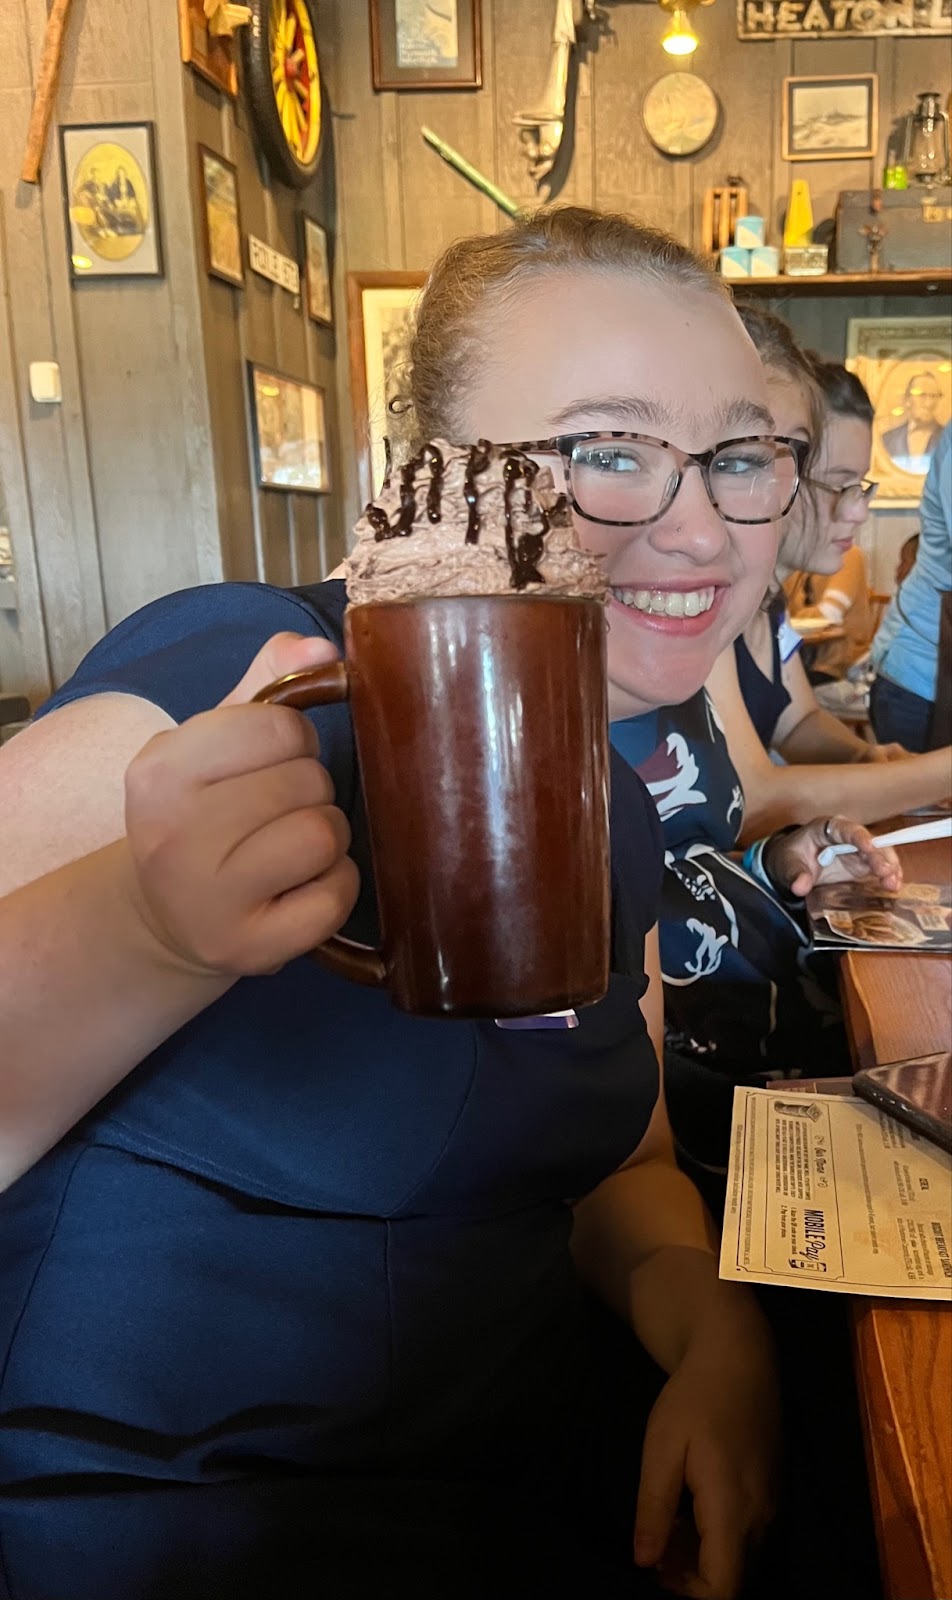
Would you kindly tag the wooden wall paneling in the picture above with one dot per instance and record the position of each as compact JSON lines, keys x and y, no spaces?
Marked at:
{"x":27,"y":669}
{"x":362,"y":242}
{"x":183,"y":265}
{"x":522,"y":36}
{"x":749,"y":125}
{"x":437,"y":203}
{"x":260,"y":344}
{"x":488,"y":140}
{"x":778,"y":64}
{"x":15,"y":70}
{"x":918,"y":65}
{"x":290,"y":350}
{"x":53,"y":441}
{"x":358,"y":142}
{"x":107,"y":42}
{"x":630,"y":174}
{"x":222,"y":308}
{"x":136,"y":388}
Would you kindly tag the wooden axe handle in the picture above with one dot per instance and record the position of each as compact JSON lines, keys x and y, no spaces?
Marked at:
{"x":45,"y":91}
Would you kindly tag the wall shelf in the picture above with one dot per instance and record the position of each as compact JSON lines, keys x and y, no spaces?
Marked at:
{"x":831,"y":283}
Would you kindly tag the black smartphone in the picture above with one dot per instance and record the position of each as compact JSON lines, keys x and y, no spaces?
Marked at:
{"x":917,"y":1092}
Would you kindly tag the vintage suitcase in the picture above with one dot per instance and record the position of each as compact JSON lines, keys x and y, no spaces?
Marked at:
{"x":915,"y":223}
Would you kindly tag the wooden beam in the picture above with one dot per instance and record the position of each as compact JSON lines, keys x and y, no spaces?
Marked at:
{"x":45,"y":96}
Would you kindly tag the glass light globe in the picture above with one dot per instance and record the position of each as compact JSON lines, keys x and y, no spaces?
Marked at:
{"x":680,"y":39}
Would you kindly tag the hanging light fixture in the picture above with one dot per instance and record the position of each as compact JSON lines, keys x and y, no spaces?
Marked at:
{"x":680,"y":38}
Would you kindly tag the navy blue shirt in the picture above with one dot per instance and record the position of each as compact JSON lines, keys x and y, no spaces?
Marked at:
{"x":352,"y":1224}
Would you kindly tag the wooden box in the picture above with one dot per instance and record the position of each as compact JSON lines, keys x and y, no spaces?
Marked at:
{"x":916,"y":224}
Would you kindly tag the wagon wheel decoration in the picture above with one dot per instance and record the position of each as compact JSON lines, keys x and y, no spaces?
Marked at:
{"x":283,"y":80}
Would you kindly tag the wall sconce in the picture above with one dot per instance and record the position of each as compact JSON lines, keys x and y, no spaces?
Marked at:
{"x":680,"y":38}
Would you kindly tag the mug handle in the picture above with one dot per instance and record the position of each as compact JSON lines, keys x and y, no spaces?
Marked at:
{"x":325,"y":686}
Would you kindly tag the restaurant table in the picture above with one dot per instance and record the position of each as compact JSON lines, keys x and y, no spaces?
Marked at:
{"x":898,"y":1006}
{"x":825,"y":635}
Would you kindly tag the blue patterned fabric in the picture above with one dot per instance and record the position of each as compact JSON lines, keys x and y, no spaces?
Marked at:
{"x":740,"y":993}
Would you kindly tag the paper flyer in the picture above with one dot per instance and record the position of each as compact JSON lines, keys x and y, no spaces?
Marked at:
{"x":827,"y":1192}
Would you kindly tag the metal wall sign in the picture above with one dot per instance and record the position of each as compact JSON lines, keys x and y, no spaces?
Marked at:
{"x":843,"y":19}
{"x":271,"y":264}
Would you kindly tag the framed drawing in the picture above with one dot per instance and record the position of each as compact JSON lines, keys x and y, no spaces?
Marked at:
{"x":109,"y":189}
{"x":212,"y":55}
{"x":379,"y":317}
{"x":416,"y":44}
{"x":906,"y":366}
{"x":290,"y":432}
{"x":317,"y":272}
{"x":830,"y":119}
{"x":221,"y":217}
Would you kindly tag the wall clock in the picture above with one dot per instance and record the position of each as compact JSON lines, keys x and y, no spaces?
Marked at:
{"x":283,"y":86}
{"x":680,"y":113}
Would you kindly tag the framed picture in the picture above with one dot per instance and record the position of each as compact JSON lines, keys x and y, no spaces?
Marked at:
{"x":110,"y":194}
{"x":380,"y":321}
{"x":317,"y":272}
{"x":222,"y":220}
{"x":290,"y":432}
{"x":212,"y":55}
{"x":830,"y":119}
{"x":426,"y":44}
{"x":905,"y":364}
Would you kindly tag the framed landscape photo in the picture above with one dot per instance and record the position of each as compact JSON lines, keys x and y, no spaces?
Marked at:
{"x":290,"y":432}
{"x":109,"y":188}
{"x":380,"y":321}
{"x":830,"y":119}
{"x":426,"y":44}
{"x":317,"y":272}
{"x":222,"y":220}
{"x":905,"y":364}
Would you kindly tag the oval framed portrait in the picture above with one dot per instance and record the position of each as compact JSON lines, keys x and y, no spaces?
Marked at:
{"x":110,"y":193}
{"x":680,"y":113}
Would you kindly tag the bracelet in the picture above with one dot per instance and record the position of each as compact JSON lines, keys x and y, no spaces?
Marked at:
{"x":752,"y":862}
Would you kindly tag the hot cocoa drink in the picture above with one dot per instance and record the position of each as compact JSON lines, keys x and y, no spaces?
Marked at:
{"x":475,"y":667}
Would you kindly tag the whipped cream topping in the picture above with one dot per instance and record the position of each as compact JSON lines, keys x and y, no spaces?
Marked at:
{"x":466,"y":520}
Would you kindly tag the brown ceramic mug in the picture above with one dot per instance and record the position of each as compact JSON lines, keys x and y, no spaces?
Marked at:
{"x":482,"y":740}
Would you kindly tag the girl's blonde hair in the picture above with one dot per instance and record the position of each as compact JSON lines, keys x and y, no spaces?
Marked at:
{"x":475,"y":273}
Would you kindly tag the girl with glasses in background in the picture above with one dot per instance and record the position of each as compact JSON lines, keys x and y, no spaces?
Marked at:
{"x":832,"y":584}
{"x":760,"y":688}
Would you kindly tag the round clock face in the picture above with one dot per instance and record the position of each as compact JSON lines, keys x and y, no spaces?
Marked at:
{"x":284,"y":86}
{"x":680,"y":113}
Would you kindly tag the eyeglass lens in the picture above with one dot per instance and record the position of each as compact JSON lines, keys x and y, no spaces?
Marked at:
{"x":627,"y":480}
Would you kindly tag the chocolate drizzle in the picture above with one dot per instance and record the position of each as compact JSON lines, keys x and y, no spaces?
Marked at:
{"x":524,"y":552}
{"x":477,"y":461}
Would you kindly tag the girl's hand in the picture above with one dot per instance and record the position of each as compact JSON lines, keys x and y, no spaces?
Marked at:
{"x":888,"y":752}
{"x":714,"y":1432}
{"x":791,"y":860}
{"x":240,"y":854}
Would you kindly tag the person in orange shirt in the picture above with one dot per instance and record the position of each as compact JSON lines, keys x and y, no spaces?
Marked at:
{"x":841,"y":491}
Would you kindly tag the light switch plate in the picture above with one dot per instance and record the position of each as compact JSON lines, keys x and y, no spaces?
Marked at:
{"x":45,"y":384}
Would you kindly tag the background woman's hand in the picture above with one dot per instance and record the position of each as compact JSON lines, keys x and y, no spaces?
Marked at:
{"x":791,"y":860}
{"x":239,"y":851}
{"x":713,"y":1431}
